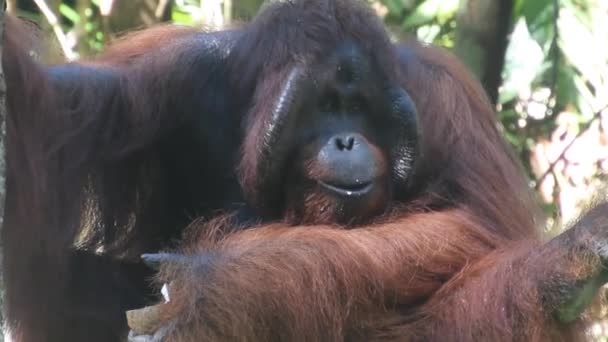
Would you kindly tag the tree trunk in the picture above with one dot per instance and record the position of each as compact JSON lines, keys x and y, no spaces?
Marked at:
{"x":482,"y":27}
{"x":11,"y":6}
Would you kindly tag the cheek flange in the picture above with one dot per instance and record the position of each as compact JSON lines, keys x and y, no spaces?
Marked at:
{"x":406,"y":137}
{"x":271,"y":142}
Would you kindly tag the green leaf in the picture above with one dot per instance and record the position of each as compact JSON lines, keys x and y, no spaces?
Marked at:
{"x":566,"y":90}
{"x":179,"y":17}
{"x":422,"y":14}
{"x":523,"y":62}
{"x":583,"y":49}
{"x":69,"y":13}
{"x":447,"y":10}
{"x":531,"y":10}
{"x":395,"y":7}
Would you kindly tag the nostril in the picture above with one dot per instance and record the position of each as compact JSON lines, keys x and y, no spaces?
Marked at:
{"x":340,"y":144}
{"x":350,"y":142}
{"x":345,"y":143}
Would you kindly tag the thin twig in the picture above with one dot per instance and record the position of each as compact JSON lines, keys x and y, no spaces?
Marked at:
{"x":52,"y":19}
{"x":551,"y":112}
{"x":565,"y":150}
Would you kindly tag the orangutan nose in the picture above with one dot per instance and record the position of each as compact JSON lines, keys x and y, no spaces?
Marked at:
{"x":345,"y":143}
{"x":349,"y":164}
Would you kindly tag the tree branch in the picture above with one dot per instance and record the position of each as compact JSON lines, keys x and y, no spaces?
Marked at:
{"x":565,"y":150}
{"x":54,"y":22}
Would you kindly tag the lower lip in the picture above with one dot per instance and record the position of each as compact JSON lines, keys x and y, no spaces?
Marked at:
{"x":364,"y":190}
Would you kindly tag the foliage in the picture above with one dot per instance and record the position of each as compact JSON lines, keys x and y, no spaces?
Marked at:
{"x":553,"y":92}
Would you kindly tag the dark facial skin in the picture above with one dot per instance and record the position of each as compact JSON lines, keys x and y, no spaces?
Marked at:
{"x":346,"y":142}
{"x":339,"y":173}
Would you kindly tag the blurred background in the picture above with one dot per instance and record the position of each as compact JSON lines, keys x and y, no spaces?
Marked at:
{"x":544,"y":63}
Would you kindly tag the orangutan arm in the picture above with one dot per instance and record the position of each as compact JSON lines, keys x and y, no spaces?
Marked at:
{"x":425,"y":276}
{"x":316,"y":283}
{"x":524,"y":292}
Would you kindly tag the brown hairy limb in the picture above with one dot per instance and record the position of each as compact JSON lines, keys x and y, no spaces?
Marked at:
{"x":280,"y":282}
{"x":82,"y":152}
{"x":423,"y":277}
